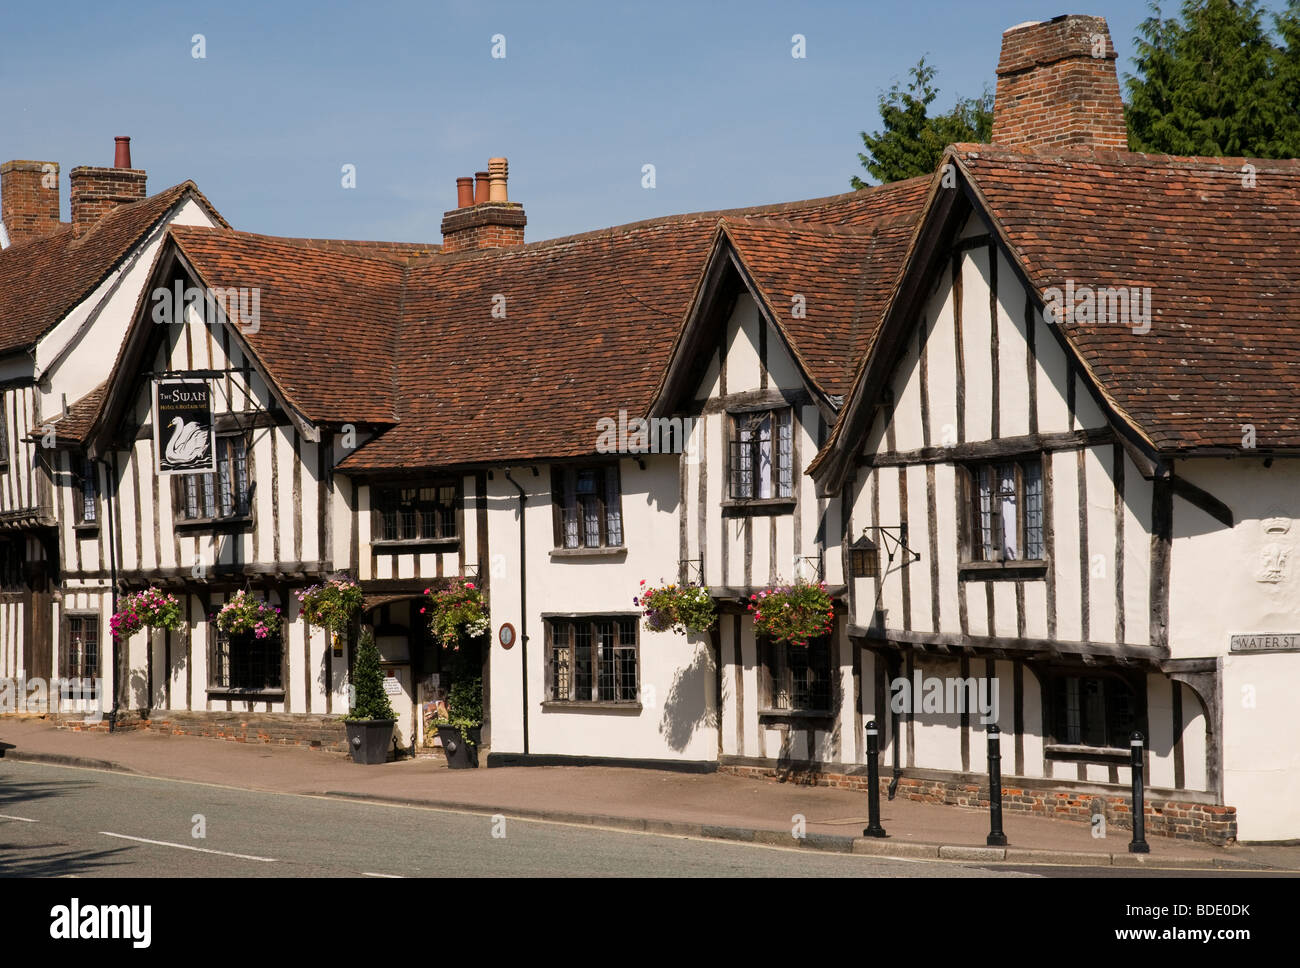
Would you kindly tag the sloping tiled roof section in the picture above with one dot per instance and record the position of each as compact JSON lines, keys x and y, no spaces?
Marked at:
{"x":827,"y":285}
{"x":589,"y":322}
{"x":327,"y":316}
{"x":43,"y":279}
{"x":1220,"y":258}
{"x":72,"y":429}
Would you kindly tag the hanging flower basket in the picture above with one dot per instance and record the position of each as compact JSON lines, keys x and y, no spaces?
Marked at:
{"x":792,"y":613}
{"x":331,"y":605}
{"x":679,"y":608}
{"x":455,"y":611}
{"x":151,"y":607}
{"x":243,"y":614}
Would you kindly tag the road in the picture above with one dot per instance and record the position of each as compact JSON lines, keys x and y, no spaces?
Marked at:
{"x":59,"y":821}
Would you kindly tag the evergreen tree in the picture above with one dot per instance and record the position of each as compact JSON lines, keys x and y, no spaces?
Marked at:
{"x":371,"y":702}
{"x":911,"y":141}
{"x":1214,"y":82}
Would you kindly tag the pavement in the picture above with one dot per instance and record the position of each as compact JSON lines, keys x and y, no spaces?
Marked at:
{"x":655,"y":801}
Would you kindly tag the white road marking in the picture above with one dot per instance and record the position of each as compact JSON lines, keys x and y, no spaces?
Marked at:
{"x":5,"y":816}
{"x":372,"y":874}
{"x":201,"y":850}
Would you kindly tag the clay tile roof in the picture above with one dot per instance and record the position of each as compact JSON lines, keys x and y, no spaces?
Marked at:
{"x":72,"y":429}
{"x":843,"y":274}
{"x":1220,"y":259}
{"x":41,"y":280}
{"x":589,"y":323}
{"x":327,"y":316}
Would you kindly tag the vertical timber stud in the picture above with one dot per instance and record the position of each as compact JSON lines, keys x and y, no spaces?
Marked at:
{"x":1139,"y":843}
{"x":873,"y":783}
{"x":996,"y":837}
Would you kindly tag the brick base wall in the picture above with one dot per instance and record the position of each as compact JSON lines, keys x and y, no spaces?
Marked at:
{"x":1166,"y":818}
{"x":279,"y":729}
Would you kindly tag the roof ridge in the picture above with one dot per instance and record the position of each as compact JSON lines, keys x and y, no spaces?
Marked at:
{"x":1115,"y":157}
{"x":350,"y":251}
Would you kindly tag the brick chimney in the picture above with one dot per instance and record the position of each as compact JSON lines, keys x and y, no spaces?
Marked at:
{"x":29,"y":199}
{"x":490,"y":220}
{"x":97,"y":191}
{"x":1057,"y":87}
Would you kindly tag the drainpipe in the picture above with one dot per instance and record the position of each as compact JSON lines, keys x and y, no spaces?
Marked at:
{"x":110,"y":492}
{"x":523,"y":600}
{"x":898,"y":769}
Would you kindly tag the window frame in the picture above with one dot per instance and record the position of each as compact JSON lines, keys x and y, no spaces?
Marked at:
{"x":181,"y":485}
{"x":622,"y":622}
{"x":564,"y":481}
{"x":1057,"y":746}
{"x":216,"y":637}
{"x":776,"y":677}
{"x":380,"y":490}
{"x":87,"y":475}
{"x":86,"y":618}
{"x":971,"y":549}
{"x":779,"y":417}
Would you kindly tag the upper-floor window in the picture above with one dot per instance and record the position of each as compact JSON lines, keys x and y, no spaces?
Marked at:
{"x":588,"y":506}
{"x":424,"y":512}
{"x":1005,"y":514}
{"x":87,"y":506}
{"x":225,"y":494}
{"x":762,"y":455}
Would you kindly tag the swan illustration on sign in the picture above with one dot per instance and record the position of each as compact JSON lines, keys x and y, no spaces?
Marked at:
{"x":188,"y":443}
{"x":182,"y":421}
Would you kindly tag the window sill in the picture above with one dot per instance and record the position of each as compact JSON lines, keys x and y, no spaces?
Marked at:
{"x":87,"y":529}
{"x":588,"y":705}
{"x":213,"y":524}
{"x":412,"y":544}
{"x":787,"y":714}
{"x":1064,"y":751}
{"x":619,"y":551}
{"x":758,"y":505}
{"x":1001,"y":570}
{"x":220,"y":692}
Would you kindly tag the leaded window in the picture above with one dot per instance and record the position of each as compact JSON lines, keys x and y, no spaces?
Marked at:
{"x":1094,"y":711}
{"x":227,"y":493}
{"x":1007,"y":514}
{"x":588,"y":507}
{"x":417,"y":513}
{"x":592,"y":659}
{"x":243,"y":661}
{"x":762,"y":455}
{"x":797,"y":677}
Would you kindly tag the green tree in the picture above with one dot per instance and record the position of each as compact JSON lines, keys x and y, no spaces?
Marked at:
{"x":371,"y":702}
{"x":911,"y":141}
{"x":1214,"y":82}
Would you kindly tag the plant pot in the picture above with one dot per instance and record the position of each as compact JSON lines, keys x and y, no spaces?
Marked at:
{"x":460,"y":754}
{"x":369,"y":740}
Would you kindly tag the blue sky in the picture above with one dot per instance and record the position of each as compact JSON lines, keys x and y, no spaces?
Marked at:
{"x":409,"y":93}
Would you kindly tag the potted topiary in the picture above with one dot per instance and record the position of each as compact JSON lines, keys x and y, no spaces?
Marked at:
{"x":369,"y":723}
{"x":459,"y":729}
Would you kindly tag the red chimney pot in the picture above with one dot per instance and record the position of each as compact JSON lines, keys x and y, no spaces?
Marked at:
{"x":480,"y":187}
{"x":464,"y":192}
{"x":122,"y":154}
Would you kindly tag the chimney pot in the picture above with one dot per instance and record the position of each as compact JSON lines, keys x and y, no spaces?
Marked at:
{"x":498,"y":170}
{"x":480,"y":187}
{"x":122,"y":152}
{"x":97,"y":191}
{"x":464,"y":192}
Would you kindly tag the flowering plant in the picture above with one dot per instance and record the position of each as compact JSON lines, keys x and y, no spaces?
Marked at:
{"x":456,"y":610}
{"x":151,"y":607}
{"x":246,"y":614}
{"x":331,"y":605}
{"x":681,"y":608}
{"x":792,"y":613}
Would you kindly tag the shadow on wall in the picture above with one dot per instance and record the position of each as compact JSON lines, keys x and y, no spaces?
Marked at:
{"x":685,"y":707}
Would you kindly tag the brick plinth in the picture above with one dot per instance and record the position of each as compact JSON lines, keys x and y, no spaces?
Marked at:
{"x":1184,"y":820}
{"x":277,"y":729}
{"x":489,"y":225}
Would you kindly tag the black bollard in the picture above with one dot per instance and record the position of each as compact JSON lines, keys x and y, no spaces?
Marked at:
{"x":996,"y":837}
{"x":1139,"y":843}
{"x":873,"y":783}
